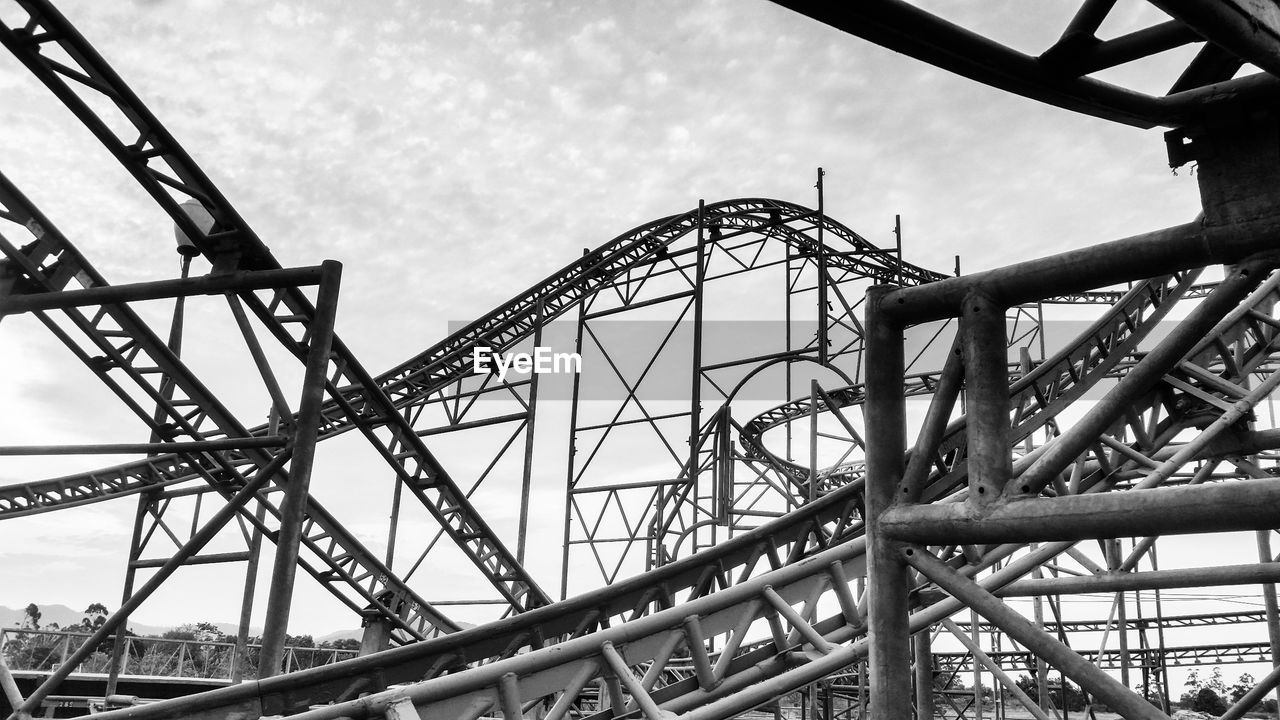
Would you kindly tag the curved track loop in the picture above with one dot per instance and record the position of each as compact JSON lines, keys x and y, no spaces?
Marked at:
{"x":1037,"y":396}
{"x":773,"y":583}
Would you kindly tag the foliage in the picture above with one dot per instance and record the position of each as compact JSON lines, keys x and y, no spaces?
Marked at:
{"x":345,"y":644}
{"x":1074,"y":697}
{"x":205,"y":632}
{"x":1212,"y":694}
{"x":1208,"y":701}
{"x":31,"y":617}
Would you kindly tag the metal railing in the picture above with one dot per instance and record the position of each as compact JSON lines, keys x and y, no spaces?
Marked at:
{"x":41,"y":650}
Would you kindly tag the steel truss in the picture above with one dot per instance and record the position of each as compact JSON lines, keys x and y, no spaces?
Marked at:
{"x":761,"y":570}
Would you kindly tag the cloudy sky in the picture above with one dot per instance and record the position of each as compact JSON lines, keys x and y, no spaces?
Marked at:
{"x":453,"y":153}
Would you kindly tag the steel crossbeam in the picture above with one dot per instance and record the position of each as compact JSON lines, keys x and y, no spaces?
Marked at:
{"x":1238,"y":31}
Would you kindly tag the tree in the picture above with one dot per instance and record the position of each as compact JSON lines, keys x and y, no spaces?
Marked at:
{"x":1206,"y":695}
{"x":341,"y":644}
{"x":205,"y":632}
{"x":95,"y":616}
{"x":1208,"y":701}
{"x":31,"y":617}
{"x":1243,"y":685}
{"x":299,"y":641}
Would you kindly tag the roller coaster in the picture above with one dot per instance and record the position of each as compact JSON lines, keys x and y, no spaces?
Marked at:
{"x":803,"y":557}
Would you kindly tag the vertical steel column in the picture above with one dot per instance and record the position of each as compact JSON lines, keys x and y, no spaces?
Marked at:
{"x":695,"y":390}
{"x":897,"y":243}
{"x":294,"y":505}
{"x":246,"y":599}
{"x":251,"y":572}
{"x":1037,"y":619}
{"x":130,"y":575}
{"x":821,"y":262}
{"x":813,"y":440}
{"x":167,"y":386}
{"x":977,"y":668}
{"x":1269,"y":602}
{"x":924,"y":674}
{"x":572,"y":451}
{"x":888,"y":629}
{"x":986,"y":372}
{"x":526,"y":480}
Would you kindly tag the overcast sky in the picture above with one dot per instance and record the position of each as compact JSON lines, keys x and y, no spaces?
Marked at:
{"x":453,"y":153}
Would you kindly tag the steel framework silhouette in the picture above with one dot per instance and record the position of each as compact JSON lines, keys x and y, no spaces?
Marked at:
{"x":737,"y":558}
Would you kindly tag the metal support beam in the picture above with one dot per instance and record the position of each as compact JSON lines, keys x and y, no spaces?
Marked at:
{"x":1247,"y":28}
{"x":294,"y":506}
{"x":1223,"y":507}
{"x":185,"y":287}
{"x":1133,"y":258}
{"x":1267,"y":572}
{"x":887,"y":607}
{"x":986,"y":372}
{"x":922,"y":642}
{"x":145,"y":448}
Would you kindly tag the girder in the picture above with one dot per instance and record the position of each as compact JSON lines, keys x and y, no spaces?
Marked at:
{"x":1061,"y":75}
{"x":776,"y":600}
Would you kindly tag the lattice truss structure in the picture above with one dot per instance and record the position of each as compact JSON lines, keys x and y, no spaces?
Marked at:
{"x":800,"y":557}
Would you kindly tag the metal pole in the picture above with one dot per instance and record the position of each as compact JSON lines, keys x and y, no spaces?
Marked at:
{"x":986,"y":370}
{"x":246,"y":599}
{"x":813,"y":440}
{"x":822,"y":277}
{"x":251,"y":574}
{"x":695,"y":390}
{"x":977,"y":669}
{"x":526,"y":481}
{"x":888,"y":620}
{"x":1269,"y":602}
{"x":184,"y":287}
{"x":569,"y":461}
{"x":1220,"y":507}
{"x":1042,"y":668}
{"x":294,"y":505}
{"x":897,"y":238}
{"x":130,"y":574}
{"x":924,"y":674}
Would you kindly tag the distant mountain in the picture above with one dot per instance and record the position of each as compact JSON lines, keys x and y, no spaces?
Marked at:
{"x":66,"y":617}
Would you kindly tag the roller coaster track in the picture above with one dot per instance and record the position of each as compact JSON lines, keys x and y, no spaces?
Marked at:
{"x":375,"y":406}
{"x":624,"y":636}
{"x":661,"y":618}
